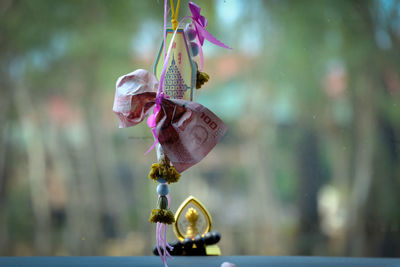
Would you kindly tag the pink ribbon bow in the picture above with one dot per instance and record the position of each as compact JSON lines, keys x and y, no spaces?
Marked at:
{"x":200,"y":24}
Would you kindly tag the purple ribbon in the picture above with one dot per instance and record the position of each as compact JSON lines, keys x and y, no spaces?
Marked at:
{"x":200,"y":24}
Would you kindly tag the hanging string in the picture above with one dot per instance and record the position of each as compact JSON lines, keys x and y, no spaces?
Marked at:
{"x":165,"y":27}
{"x":161,"y":228}
{"x":174,"y":14}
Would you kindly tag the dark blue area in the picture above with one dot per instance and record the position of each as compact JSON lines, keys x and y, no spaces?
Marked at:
{"x":240,"y":261}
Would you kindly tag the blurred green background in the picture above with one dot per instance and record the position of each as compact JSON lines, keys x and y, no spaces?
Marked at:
{"x":310,"y":94}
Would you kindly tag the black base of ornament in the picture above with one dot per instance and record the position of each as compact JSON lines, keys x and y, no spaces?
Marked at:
{"x":192,"y":247}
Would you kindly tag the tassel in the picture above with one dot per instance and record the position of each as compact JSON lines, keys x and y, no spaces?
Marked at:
{"x":162,"y":216}
{"x":164,"y":171}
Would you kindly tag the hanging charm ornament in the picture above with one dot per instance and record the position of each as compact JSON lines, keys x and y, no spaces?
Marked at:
{"x":192,"y":227}
{"x":191,"y":219}
{"x":180,"y":77}
{"x":184,"y":131}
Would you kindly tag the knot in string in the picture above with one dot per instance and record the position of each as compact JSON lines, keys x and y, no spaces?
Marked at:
{"x":174,"y":14}
{"x":175,"y":23}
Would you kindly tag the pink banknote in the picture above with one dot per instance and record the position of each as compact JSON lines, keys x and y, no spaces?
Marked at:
{"x":186,"y":130}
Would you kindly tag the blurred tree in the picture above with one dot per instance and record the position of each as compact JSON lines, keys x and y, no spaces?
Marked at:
{"x":361,"y":34}
{"x":81,"y":40}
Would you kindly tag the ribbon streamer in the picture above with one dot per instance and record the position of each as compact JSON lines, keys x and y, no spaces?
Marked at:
{"x":200,"y":24}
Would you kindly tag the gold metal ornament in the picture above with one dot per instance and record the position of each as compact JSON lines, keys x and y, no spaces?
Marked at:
{"x":191,"y":219}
